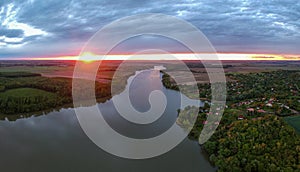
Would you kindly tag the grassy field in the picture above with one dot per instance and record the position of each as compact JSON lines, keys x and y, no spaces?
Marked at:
{"x":294,"y":121}
{"x":35,"y":69}
{"x":26,"y":92}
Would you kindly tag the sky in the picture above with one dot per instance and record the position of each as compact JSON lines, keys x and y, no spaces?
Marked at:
{"x":56,"y":28}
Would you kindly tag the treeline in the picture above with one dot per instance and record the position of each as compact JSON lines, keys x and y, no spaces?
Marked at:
{"x":169,"y":82}
{"x":18,"y":74}
{"x":16,"y":105}
{"x":201,"y":65}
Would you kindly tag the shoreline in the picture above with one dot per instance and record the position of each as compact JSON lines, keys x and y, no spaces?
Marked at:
{"x":15,"y":117}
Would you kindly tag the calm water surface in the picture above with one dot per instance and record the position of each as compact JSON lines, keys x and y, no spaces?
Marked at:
{"x":56,"y":142}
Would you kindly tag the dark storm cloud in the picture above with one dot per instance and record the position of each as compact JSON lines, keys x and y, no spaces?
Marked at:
{"x":233,"y":25}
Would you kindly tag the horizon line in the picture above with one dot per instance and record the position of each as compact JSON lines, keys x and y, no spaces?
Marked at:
{"x":88,"y":56}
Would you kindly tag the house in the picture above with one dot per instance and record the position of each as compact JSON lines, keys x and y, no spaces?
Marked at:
{"x":269,"y":105}
{"x":159,"y":68}
{"x":261,"y":111}
{"x":250,"y":111}
{"x":241,"y":117}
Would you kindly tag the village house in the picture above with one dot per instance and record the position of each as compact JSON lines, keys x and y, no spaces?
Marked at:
{"x":241,"y":117}
{"x":261,"y":111}
{"x":250,"y":111}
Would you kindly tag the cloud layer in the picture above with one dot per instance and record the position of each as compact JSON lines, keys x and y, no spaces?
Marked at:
{"x":48,"y":28}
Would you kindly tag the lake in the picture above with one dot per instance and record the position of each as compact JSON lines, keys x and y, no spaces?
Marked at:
{"x":56,"y":142}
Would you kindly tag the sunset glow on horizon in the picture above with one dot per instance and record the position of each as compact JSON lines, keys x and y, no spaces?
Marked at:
{"x":89,"y":57}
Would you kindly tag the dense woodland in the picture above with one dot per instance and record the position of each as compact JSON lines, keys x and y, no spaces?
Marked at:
{"x":265,"y":143}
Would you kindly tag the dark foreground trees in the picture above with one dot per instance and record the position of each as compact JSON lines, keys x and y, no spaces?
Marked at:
{"x":266,"y":143}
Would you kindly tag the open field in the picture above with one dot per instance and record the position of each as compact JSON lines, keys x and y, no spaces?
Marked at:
{"x":107,"y":68}
{"x":242,"y":67}
{"x":294,"y":121}
{"x":26,"y":92}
